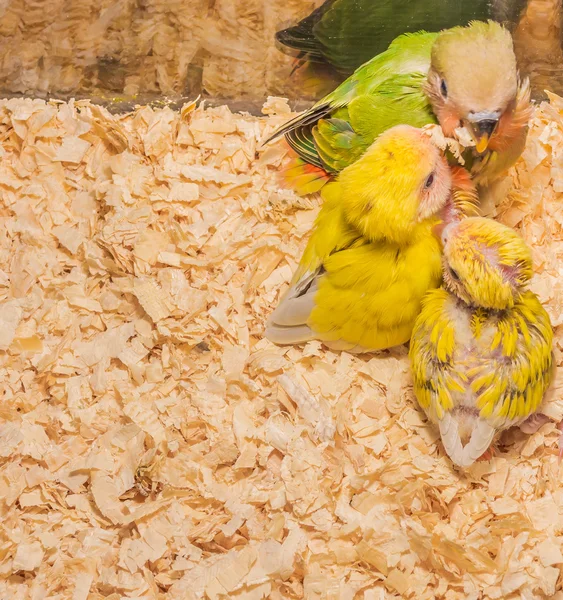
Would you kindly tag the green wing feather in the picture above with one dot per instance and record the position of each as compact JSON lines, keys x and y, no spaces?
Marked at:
{"x":398,"y":100}
{"x":303,"y":143}
{"x":337,"y":144}
{"x":347,"y":33}
{"x":386,"y":91}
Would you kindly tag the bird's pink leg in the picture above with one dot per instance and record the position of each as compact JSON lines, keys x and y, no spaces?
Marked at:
{"x":560,"y":440}
{"x":533,"y":423}
{"x":487,"y":455}
{"x":296,"y":65}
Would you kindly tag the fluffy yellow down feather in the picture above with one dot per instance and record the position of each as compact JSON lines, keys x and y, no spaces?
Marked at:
{"x":481,"y":349}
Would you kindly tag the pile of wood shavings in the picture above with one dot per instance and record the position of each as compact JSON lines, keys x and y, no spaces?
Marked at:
{"x":226,"y":48}
{"x":154,"y":445}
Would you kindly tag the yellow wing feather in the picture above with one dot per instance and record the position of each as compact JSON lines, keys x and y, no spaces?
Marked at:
{"x":507,"y":382}
{"x":432,"y":354}
{"x":521,"y":366}
{"x":370,"y":294}
{"x":348,"y":288}
{"x":330,"y":233}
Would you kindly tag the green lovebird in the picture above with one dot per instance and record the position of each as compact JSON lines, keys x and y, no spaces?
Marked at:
{"x":346,"y":33}
{"x":463,"y":76}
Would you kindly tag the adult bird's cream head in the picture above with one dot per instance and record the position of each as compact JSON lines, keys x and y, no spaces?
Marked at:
{"x":473,"y":81}
{"x":401,"y":181}
{"x":486,"y":263}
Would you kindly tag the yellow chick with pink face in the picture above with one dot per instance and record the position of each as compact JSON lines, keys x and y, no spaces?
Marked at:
{"x":481,"y":349}
{"x":372,"y":254}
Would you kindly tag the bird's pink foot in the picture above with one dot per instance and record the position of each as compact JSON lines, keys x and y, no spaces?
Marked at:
{"x":560,"y":440}
{"x":533,"y":423}
{"x":296,"y":65}
{"x":487,"y":455}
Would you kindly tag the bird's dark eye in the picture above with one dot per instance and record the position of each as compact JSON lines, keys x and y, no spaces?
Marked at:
{"x":429,"y":181}
{"x":454,"y":274}
{"x":444,"y":88}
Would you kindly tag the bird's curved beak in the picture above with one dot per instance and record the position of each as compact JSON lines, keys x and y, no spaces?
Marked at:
{"x":483,"y":125}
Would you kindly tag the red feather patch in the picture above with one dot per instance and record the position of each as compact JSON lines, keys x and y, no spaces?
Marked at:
{"x":303,"y":177}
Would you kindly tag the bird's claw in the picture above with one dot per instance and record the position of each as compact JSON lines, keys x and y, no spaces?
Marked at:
{"x":296,"y":65}
{"x":560,"y":441}
{"x":533,"y":423}
{"x":487,"y":455}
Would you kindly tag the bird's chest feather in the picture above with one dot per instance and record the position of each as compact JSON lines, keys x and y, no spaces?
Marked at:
{"x":486,"y":346}
{"x":480,"y":336}
{"x":474,"y":335}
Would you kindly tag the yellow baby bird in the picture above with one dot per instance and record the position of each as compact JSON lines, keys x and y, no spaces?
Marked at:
{"x":481,"y":349}
{"x":372,"y":254}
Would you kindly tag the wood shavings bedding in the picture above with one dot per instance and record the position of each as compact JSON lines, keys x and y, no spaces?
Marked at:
{"x":154,"y":445}
{"x":121,"y":49}
{"x":225,"y":48}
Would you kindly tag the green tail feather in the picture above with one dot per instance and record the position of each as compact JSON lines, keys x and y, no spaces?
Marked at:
{"x":302,"y":143}
{"x":301,"y":38}
{"x":309,"y":117}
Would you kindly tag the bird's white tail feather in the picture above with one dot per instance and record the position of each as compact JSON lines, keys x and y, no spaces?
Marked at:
{"x":288,"y":323}
{"x":284,"y":336}
{"x":293,"y":312}
{"x":464,"y":456}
